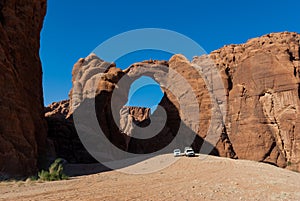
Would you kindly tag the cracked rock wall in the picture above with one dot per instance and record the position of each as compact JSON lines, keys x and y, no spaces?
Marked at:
{"x":262,"y":78}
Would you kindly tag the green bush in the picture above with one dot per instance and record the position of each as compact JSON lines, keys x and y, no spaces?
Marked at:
{"x":54,"y":173}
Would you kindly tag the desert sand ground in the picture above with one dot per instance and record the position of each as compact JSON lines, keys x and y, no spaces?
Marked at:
{"x":211,"y":178}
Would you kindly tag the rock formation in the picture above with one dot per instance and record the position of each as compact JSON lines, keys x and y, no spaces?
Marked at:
{"x":131,"y":118}
{"x":63,"y":141}
{"x":94,"y":81}
{"x":262,"y":78}
{"x":255,"y":115}
{"x":139,"y":114}
{"x":22,"y":127}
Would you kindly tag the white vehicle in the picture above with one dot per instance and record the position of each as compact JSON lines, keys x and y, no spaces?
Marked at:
{"x":188,"y":151}
{"x":176,"y":152}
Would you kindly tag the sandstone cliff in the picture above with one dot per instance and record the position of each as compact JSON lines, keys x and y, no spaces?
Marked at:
{"x":262,"y":79}
{"x":261,"y":101}
{"x":22,"y":128}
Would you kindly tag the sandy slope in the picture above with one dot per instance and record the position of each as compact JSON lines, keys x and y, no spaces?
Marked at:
{"x":211,"y":178}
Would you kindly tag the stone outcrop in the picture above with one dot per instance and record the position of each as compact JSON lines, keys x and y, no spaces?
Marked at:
{"x":22,"y":127}
{"x":131,"y":118}
{"x":262,"y":81}
{"x":62,"y":140}
{"x":247,"y":108}
{"x":139,"y":114}
{"x":95,"y":80}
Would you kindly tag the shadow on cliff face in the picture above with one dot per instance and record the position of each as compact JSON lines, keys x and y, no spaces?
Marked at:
{"x":92,"y":134}
{"x":97,"y":121}
{"x":172,"y":128}
{"x":102,"y":137}
{"x":68,"y":144}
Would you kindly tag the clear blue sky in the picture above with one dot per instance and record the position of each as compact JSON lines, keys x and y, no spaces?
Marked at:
{"x":73,"y":28}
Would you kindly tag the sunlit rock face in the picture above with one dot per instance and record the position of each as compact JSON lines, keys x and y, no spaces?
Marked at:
{"x":253,"y":108}
{"x":262,"y":78}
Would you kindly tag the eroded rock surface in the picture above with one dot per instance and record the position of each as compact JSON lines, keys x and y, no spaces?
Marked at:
{"x":109,"y":86}
{"x":249,"y":104}
{"x":262,"y":79}
{"x":22,"y":127}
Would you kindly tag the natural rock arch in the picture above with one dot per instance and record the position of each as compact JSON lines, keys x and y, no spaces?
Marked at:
{"x":239,"y":66}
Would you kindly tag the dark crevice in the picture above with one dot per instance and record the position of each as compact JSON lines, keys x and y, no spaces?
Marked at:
{"x":225,"y":139}
{"x":295,"y":71}
{"x":1,"y":14}
{"x":1,"y":18}
{"x":292,"y":58}
{"x":229,"y":80}
{"x":269,"y":152}
{"x":292,"y":139}
{"x":299,"y":90}
{"x":270,"y":163}
{"x":299,"y":51}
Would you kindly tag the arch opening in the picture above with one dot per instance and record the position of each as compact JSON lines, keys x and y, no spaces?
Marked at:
{"x":145,"y":92}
